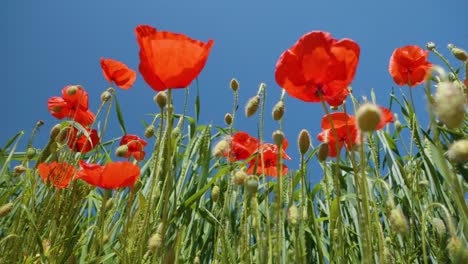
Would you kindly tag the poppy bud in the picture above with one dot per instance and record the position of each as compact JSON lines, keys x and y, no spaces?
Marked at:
{"x":458,"y":151}
{"x":368,"y":117}
{"x":252,"y":106}
{"x":439,"y":227}
{"x":240,"y":176}
{"x":303,"y":141}
{"x":234,"y":85}
{"x":161,"y":99}
{"x":278,"y":137}
{"x":149,"y":131}
{"x":293,"y":215}
{"x":278,"y":111}
{"x":106,"y":96}
{"x":228,"y":119}
{"x":155,"y":242}
{"x":30,"y":153}
{"x":55,"y":131}
{"x":398,"y":125}
{"x":121,"y":151}
{"x":19,"y":169}
{"x":215,"y":193}
{"x":252,"y":184}
{"x":458,"y":53}
{"x":450,"y":104}
{"x":457,"y":251}
{"x":5,"y":209}
{"x":430,"y":45}
{"x":398,"y":222}
{"x":72,"y":89}
{"x":220,"y":148}
{"x":322,"y":153}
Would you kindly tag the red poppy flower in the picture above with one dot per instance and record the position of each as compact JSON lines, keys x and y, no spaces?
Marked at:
{"x":346,"y":132}
{"x":110,"y":176}
{"x":73,"y":104}
{"x":170,"y":60}
{"x":387,"y":117}
{"x":318,"y":64}
{"x":59,"y":174}
{"x":135,"y":146}
{"x":242,"y":146}
{"x":118,"y":72}
{"x":270,"y":154}
{"x":409,"y":65}
{"x":84,"y":143}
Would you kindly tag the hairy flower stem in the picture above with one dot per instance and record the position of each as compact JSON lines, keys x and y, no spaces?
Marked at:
{"x":168,"y":170}
{"x":367,"y":250}
{"x":314,"y":218}
{"x":279,"y":201}
{"x":445,"y":61}
{"x":336,"y":245}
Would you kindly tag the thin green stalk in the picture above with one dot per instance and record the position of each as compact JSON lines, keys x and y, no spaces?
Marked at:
{"x":367,"y":256}
{"x":317,"y":234}
{"x":336,"y":245}
{"x":168,"y":170}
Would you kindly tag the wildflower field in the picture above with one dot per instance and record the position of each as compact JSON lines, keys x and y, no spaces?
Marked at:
{"x":393,"y":189}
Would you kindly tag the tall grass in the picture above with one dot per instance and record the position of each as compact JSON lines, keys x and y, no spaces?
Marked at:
{"x":397,"y":198}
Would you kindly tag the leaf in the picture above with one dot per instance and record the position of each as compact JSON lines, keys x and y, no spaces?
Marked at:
{"x":120,"y":116}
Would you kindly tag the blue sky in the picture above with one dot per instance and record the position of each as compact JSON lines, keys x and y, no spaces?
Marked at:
{"x":47,"y":45}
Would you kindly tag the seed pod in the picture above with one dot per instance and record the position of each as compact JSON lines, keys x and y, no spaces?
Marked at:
{"x":430,"y":45}
{"x":278,"y":137}
{"x":368,"y":117}
{"x":106,"y":96}
{"x":72,"y":89}
{"x":303,"y":141}
{"x":457,"y":252}
{"x":252,"y":106}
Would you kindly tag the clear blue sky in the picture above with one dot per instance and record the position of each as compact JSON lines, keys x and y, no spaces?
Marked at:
{"x":49,"y":44}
